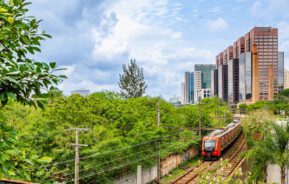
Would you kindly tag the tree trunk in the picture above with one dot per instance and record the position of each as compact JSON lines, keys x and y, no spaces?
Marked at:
{"x":283,"y":174}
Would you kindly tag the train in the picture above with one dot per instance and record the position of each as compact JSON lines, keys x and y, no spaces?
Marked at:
{"x":217,"y":141}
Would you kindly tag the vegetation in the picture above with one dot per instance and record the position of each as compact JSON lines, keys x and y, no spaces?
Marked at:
{"x":280,"y":104}
{"x":23,"y":78}
{"x":267,"y":141}
{"x":122,"y":133}
{"x":132,"y":82}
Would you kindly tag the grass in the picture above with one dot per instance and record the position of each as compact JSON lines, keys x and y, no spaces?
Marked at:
{"x":180,"y":170}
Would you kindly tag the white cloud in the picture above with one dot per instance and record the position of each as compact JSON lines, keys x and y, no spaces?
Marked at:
{"x":269,"y":8}
{"x":217,"y":25}
{"x":141,"y":31}
{"x":256,"y":7}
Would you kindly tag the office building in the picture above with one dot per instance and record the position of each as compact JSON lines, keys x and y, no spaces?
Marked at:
{"x":245,"y":76}
{"x":223,"y":82}
{"x":203,"y":93}
{"x":233,"y":81}
{"x":214,"y":82}
{"x":197,"y":84}
{"x":286,"y":79}
{"x":203,"y":77}
{"x":266,"y":39}
{"x":280,"y":71}
{"x":253,"y":75}
{"x":188,"y":91}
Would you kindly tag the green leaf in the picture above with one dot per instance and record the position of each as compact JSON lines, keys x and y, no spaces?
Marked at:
{"x":45,"y":160}
{"x":52,"y":64}
{"x":10,"y":20}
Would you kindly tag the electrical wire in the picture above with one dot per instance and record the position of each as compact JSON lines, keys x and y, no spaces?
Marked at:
{"x":117,"y":167}
{"x":111,"y":151}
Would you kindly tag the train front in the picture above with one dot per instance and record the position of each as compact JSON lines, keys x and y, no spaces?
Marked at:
{"x":210,"y":148}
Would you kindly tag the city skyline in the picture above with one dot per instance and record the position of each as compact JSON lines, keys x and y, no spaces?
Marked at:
{"x":93,"y":39}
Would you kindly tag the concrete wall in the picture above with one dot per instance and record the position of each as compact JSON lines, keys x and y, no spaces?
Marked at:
{"x":172,"y":161}
{"x":274,"y":176}
{"x":167,"y":164}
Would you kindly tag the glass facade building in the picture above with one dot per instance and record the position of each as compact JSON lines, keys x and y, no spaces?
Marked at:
{"x":188,"y":88}
{"x":233,"y":81}
{"x":223,"y":82}
{"x":206,"y":70}
{"x":280,"y":71}
{"x":245,"y":76}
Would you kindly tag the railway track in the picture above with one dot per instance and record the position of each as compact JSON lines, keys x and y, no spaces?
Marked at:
{"x":232,"y":155}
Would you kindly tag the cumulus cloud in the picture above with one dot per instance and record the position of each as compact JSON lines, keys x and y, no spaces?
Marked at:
{"x":217,"y":25}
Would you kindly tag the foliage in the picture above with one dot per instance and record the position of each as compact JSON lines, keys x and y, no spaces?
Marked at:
{"x":279,"y":105}
{"x":267,"y":143}
{"x":256,"y":124}
{"x":16,"y":161}
{"x":132,"y":82}
{"x":23,"y":78}
{"x":114,"y":124}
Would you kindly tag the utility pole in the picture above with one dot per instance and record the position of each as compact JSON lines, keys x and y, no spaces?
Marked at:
{"x":159,"y":147}
{"x":76,"y":146}
{"x":200,"y":118}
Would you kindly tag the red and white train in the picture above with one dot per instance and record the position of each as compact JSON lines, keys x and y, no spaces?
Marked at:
{"x":214,"y":144}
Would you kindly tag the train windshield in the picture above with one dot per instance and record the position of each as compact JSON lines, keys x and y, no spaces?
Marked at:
{"x":210,"y":143}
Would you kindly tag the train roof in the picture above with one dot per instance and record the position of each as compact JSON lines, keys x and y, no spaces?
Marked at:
{"x":220,"y":132}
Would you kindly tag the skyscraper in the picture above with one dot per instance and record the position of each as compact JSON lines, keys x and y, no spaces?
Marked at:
{"x":267,"y":55}
{"x":280,"y":71}
{"x":203,"y":78}
{"x":286,"y":79}
{"x":188,"y":88}
{"x":266,"y":39}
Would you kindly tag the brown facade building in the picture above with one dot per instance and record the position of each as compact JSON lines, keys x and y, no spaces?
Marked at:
{"x":266,"y":40}
{"x":238,"y":47}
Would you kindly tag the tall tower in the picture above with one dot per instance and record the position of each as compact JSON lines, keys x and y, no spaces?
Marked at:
{"x":271,"y":83}
{"x":255,"y":76}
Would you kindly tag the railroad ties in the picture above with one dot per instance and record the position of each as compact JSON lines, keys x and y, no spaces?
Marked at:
{"x":232,"y":155}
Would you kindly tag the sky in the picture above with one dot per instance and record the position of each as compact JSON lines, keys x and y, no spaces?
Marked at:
{"x":94,"y":38}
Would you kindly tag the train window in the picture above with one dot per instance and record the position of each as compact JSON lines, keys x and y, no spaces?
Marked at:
{"x":210,"y":143}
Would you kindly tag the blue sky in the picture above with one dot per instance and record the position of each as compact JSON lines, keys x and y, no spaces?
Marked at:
{"x":93,"y":38}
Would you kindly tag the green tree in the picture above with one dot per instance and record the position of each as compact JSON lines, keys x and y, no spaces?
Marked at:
{"x":273,"y":149}
{"x":132,"y":82}
{"x":21,"y":77}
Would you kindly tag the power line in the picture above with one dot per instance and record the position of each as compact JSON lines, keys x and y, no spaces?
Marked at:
{"x":120,"y":166}
{"x":107,"y":162}
{"x":111,"y":151}
{"x":86,"y":169}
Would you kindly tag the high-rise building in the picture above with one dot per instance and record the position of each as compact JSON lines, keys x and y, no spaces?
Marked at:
{"x":223,"y":82}
{"x":286,"y":79}
{"x":188,"y":88}
{"x":233,"y":81}
{"x":245,"y":76}
{"x":197,"y":84}
{"x":280,"y":71}
{"x":266,"y":39}
{"x":214,"y":82}
{"x":206,"y":72}
{"x":203,"y":77}
{"x":267,"y":55}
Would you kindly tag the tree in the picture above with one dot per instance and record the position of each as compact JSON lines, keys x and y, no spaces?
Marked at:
{"x":273,"y":149}
{"x":132,"y":82}
{"x":21,"y":77}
